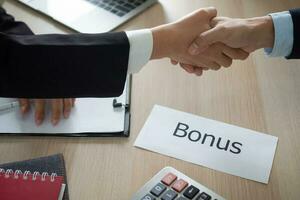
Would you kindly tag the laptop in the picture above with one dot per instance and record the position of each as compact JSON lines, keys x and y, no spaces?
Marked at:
{"x":90,"y":16}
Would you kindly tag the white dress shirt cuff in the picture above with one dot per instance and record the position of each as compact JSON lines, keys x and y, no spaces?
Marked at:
{"x":284,"y":36}
{"x":141,"y":45}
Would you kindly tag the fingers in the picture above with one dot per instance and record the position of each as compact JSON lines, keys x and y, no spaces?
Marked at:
{"x":188,"y":68}
{"x":174,"y":62}
{"x":237,"y":54}
{"x":205,"y":39}
{"x":24,"y":105}
{"x":216,"y":53}
{"x":56,"y":110}
{"x":73,"y":102}
{"x":223,"y":60}
{"x":194,"y":48}
{"x":219,"y":54}
{"x":205,"y":61}
{"x":197,"y":70}
{"x":67,"y":106}
{"x":58,"y":107}
{"x":218,"y":20}
{"x":39,"y":111}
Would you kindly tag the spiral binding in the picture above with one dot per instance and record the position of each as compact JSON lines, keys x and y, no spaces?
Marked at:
{"x":9,"y":173}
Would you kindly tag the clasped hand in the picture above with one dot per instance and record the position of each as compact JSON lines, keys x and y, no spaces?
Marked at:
{"x":220,"y":40}
{"x":178,"y":41}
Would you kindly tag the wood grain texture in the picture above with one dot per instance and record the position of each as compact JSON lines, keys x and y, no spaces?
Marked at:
{"x":260,"y":93}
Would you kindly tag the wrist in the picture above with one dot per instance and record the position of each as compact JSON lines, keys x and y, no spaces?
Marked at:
{"x":160,"y":42}
{"x":263,"y":31}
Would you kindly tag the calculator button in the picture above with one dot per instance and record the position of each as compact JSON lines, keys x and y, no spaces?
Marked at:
{"x":107,"y":8}
{"x":123,"y":9}
{"x":169,"y":179}
{"x":129,"y":6}
{"x":203,"y":196}
{"x":191,"y":192}
{"x":169,"y":195}
{"x":148,"y":197}
{"x":181,"y":198}
{"x":179,"y":185}
{"x":114,"y":11}
{"x":121,"y":14}
{"x":158,"y":189}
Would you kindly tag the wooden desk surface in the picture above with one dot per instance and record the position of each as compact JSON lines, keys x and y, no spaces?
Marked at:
{"x":260,"y":93}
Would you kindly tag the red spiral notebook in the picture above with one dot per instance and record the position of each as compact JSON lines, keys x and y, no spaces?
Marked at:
{"x":27,"y":186}
{"x":33,"y":185}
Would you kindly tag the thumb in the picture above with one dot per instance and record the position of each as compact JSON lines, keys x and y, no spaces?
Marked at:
{"x":205,"y":39}
{"x":24,"y":105}
{"x":211,"y":12}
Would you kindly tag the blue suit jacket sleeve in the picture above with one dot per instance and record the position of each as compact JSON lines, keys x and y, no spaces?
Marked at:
{"x":295,"y":13}
{"x":60,"y":66}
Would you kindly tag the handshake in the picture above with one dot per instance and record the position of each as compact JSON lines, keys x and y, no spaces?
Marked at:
{"x":199,"y":41}
{"x":202,"y":41}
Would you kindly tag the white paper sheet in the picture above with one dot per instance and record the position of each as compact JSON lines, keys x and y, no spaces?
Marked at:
{"x":88,"y":115}
{"x":195,"y":139}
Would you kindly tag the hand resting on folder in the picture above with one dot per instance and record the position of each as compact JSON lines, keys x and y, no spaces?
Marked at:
{"x":59,"y":107}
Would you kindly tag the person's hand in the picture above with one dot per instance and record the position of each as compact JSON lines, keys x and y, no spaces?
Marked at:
{"x":58,"y":107}
{"x":248,"y":34}
{"x":173,"y":40}
{"x":220,"y":53}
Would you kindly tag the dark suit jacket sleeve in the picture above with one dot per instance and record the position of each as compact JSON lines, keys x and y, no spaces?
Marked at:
{"x":295,"y":13}
{"x":60,"y":66}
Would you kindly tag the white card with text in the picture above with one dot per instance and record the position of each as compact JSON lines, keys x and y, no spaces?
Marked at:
{"x":216,"y":145}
